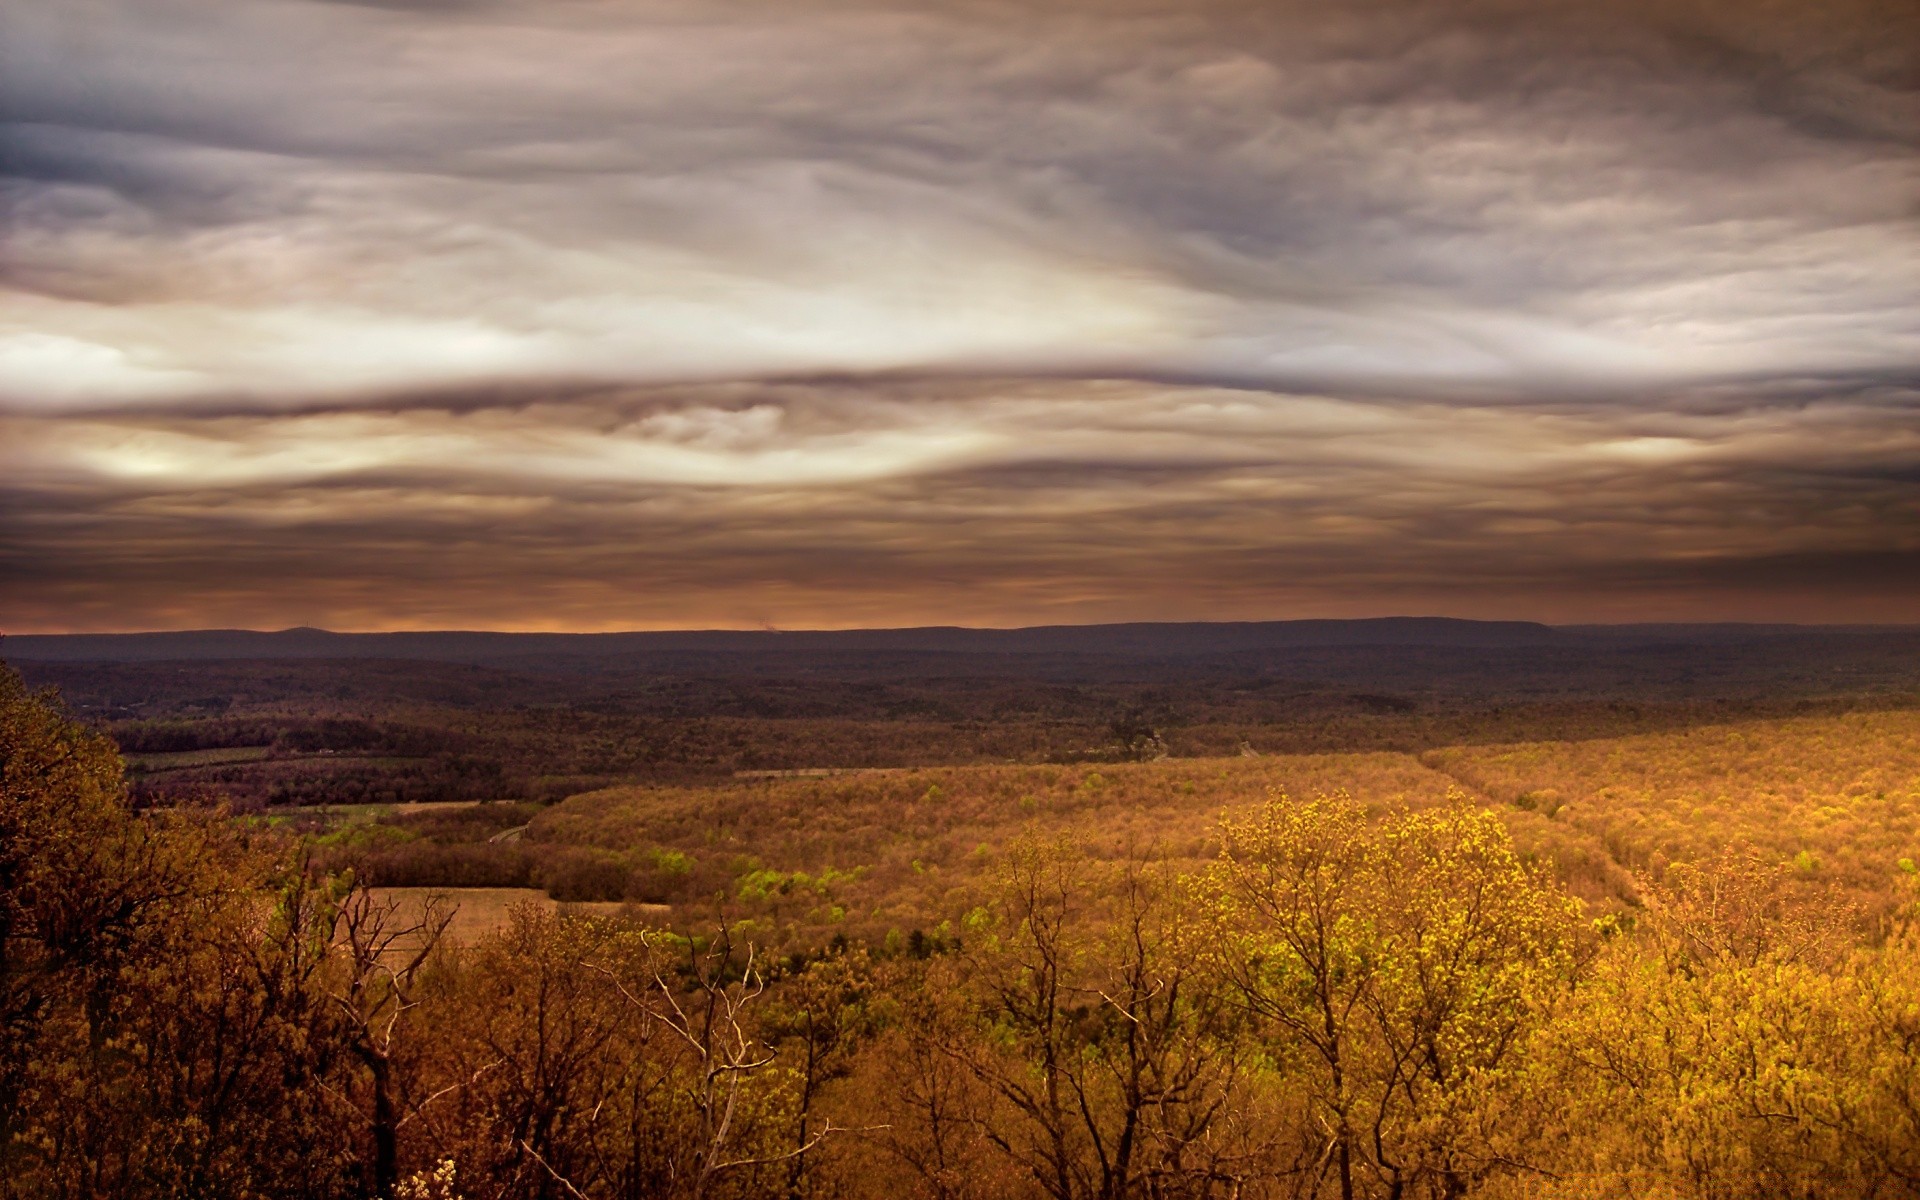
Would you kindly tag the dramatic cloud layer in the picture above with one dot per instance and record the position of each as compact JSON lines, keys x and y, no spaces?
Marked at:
{"x":598,"y":314}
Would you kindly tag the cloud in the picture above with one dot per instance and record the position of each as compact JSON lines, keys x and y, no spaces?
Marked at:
{"x":291,"y":199}
{"x":691,"y":311}
{"x":1001,"y":501}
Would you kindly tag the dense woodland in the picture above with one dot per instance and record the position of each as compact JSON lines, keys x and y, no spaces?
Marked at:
{"x":540,"y":718}
{"x":1575,"y":947}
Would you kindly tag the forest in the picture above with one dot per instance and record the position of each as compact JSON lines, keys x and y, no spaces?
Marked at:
{"x":304,"y":717}
{"x":1201,"y":940}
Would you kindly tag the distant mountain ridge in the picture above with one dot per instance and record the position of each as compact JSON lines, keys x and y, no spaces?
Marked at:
{"x":1152,"y":640}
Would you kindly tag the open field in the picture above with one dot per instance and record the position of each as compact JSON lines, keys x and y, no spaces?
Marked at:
{"x":478,"y":912}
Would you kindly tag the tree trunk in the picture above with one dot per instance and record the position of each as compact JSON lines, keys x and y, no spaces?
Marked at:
{"x":386,"y":1160}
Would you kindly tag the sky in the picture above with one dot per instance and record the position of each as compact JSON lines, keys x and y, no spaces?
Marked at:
{"x":599,"y":314}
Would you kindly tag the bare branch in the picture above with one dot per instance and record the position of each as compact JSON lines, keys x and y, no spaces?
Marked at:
{"x":562,"y":1180}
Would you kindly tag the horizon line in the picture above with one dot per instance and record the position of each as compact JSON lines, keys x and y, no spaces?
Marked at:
{"x":775,"y":630}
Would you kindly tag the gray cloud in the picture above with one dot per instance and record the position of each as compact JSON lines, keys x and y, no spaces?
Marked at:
{"x":684,"y":190}
{"x":1001,"y":501}
{"x":844,"y":313}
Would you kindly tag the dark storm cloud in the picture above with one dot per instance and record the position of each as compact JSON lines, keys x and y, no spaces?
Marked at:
{"x":950,"y":501}
{"x":591,"y":314}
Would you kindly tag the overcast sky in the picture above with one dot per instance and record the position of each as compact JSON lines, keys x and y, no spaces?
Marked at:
{"x":598,"y":314}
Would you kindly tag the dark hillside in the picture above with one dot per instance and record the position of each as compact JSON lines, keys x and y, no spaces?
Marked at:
{"x":305,"y":716}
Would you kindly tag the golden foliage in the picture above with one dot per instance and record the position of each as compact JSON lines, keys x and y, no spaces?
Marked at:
{"x":1124,"y":997}
{"x":1841,"y":794}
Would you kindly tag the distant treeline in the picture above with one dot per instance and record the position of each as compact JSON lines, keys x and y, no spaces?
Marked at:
{"x":292,"y":735}
{"x":525,"y":718}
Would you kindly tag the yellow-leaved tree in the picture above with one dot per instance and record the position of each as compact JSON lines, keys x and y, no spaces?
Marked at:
{"x":1397,"y":968}
{"x":1738,"y":1044}
{"x":162,"y":1033}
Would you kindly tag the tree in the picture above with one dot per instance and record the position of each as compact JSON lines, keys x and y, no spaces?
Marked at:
{"x":1397,"y":968}
{"x":822,"y":1014}
{"x":163,"y":1031}
{"x":71,"y":893}
{"x":380,"y":954}
{"x":1723,"y":1048}
{"x":1101,"y":1051}
{"x":721,"y":1059}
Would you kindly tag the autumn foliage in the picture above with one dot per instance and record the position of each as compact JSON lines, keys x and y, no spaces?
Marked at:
{"x":1331,"y":995}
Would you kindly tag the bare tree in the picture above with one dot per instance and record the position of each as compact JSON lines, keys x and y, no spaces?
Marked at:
{"x":382,"y":948}
{"x":708,"y":1013}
